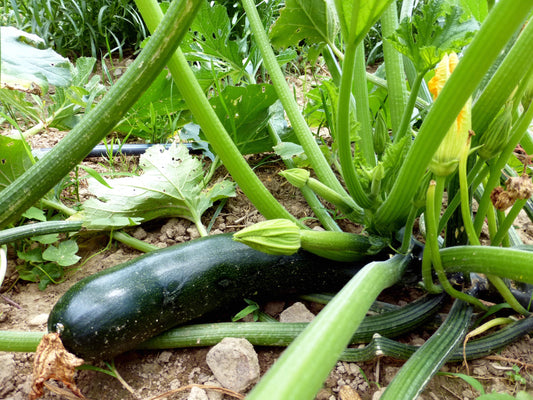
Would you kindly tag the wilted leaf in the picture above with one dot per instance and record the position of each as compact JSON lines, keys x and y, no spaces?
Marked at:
{"x":171,"y":185}
{"x":53,"y":361}
{"x":27,"y":66}
{"x":314,"y":21}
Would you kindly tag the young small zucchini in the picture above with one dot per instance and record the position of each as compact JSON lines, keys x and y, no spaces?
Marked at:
{"x":113,"y":311}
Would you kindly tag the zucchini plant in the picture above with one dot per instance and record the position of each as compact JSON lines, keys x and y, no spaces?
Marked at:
{"x":458,"y":103}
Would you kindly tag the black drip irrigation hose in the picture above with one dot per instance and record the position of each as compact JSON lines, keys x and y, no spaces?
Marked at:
{"x":101,"y":150}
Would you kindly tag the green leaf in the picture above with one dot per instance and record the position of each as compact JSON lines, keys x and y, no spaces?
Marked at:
{"x":27,"y":66}
{"x":477,"y":8}
{"x":47,"y":239}
{"x":468,"y":379}
{"x":209,"y":39}
{"x":368,"y":13}
{"x":314,"y":21}
{"x":438,"y":28}
{"x":32,"y":256}
{"x":47,"y":273}
{"x":288,"y":150}
{"x":162,"y":98}
{"x":171,"y":185}
{"x":244,"y":112}
{"x":496,"y":396}
{"x":35,"y":213}
{"x":64,"y":254}
{"x":14,"y":160}
{"x":95,"y":175}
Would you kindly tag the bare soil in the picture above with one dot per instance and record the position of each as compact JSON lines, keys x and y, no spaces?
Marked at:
{"x":151,"y":373}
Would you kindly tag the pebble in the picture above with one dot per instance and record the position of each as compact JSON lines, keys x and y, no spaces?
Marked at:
{"x":197,"y":394}
{"x":234,"y":363}
{"x":296,"y":313}
{"x":7,"y":374}
{"x":38,"y":320}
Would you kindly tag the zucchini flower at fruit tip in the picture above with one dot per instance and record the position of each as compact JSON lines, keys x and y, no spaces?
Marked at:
{"x":446,"y":158}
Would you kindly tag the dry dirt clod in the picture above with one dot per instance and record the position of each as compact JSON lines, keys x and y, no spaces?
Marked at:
{"x":296,"y":313}
{"x":234,"y":363}
{"x":53,"y":361}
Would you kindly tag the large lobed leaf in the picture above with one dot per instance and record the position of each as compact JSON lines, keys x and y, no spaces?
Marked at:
{"x":437,"y":29}
{"x":314,"y":21}
{"x":172,"y":184}
{"x":27,"y":66}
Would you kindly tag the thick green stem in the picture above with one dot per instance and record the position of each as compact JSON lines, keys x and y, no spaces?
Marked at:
{"x":344,"y":129}
{"x":310,"y":197}
{"x":506,"y":17}
{"x":394,"y":71}
{"x":404,"y":127}
{"x":305,"y":137}
{"x":432,"y":215}
{"x":508,"y":222}
{"x":518,"y":131}
{"x":215,"y":132}
{"x":421,"y":366}
{"x":44,"y":175}
{"x":496,"y":281}
{"x":322,"y":342}
{"x":507,"y":262}
{"x":362,"y":107}
{"x":507,"y":77}
{"x":37,"y":229}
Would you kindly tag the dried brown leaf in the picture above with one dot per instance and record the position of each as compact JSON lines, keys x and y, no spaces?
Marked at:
{"x":53,"y":361}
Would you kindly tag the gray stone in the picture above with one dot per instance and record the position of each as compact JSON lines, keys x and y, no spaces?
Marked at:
{"x":234,"y":363}
{"x":296,"y":313}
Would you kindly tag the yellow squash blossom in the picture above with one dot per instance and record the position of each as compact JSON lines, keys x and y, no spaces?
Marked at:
{"x":446,"y":158}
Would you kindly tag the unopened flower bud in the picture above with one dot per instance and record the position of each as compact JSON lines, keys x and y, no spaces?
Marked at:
{"x":495,"y":137}
{"x":381,"y":135}
{"x":274,"y":236}
{"x":527,"y":97}
{"x":296,"y":176}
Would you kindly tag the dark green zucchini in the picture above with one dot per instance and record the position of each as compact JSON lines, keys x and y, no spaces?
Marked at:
{"x":115,"y":310}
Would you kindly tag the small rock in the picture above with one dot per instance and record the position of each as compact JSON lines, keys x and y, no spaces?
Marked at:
{"x":377,"y":395}
{"x":296,"y":313}
{"x":165,"y":356}
{"x":38,"y":320}
{"x":213,"y":394}
{"x":7,"y":374}
{"x":197,"y":394}
{"x":234,"y":363}
{"x":139,"y":233}
{"x":323,"y":394}
{"x":193,"y":232}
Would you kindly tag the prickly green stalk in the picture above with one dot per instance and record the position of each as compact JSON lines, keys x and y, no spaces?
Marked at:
{"x":424,"y":364}
{"x":395,"y":75}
